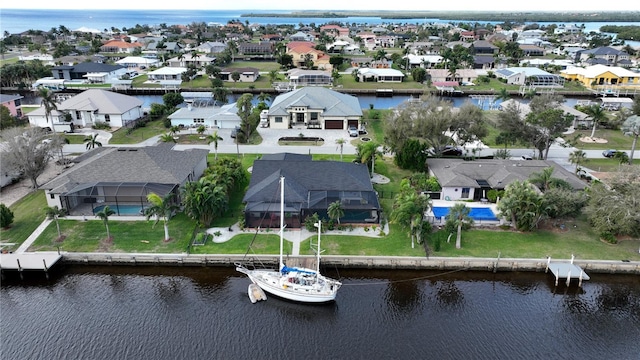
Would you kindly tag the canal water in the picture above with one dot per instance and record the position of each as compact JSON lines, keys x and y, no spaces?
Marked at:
{"x":204,"y":313}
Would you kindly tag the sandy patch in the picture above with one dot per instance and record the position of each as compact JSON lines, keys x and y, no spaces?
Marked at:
{"x":594,"y":140}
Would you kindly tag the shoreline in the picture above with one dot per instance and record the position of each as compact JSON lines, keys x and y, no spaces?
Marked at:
{"x":351,"y":262}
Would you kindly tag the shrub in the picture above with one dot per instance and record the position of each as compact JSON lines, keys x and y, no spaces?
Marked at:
{"x":608,"y":237}
{"x":6,"y":216}
{"x":98,"y":125}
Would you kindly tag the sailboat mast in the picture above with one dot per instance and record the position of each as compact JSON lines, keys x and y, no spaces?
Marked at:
{"x":318,"y":249}
{"x":281,"y":220}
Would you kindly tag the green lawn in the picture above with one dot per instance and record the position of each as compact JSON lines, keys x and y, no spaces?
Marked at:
{"x":28,"y":214}
{"x":606,"y":165}
{"x":75,"y":139}
{"x":152,"y":128}
{"x":615,"y":140}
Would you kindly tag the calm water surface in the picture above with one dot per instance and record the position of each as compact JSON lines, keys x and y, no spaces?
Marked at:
{"x":197,"y":313}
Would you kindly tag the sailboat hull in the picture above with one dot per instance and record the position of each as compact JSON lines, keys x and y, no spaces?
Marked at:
{"x":281,"y":285}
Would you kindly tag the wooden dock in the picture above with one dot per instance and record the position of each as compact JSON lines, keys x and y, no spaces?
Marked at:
{"x":29,"y":262}
{"x":568,"y":271}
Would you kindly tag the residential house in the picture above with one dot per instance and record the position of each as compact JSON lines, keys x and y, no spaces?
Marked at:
{"x":335,"y":30}
{"x":303,"y":77}
{"x":606,"y":55}
{"x":138,"y":62}
{"x":168,"y":77}
{"x":301,"y":36}
{"x":567,"y":29}
{"x":12,"y":102}
{"x":380,"y":75}
{"x":222,"y":117}
{"x":91,"y":107}
{"x":531,"y":76}
{"x":602,"y":75}
{"x":314,"y":107}
{"x":531,"y":34}
{"x":88,"y":72}
{"x":211,"y":47}
{"x":123,"y":177}
{"x":199,"y":61}
{"x":247,"y":74}
{"x":309,"y":188}
{"x":531,"y":50}
{"x":580,"y":119}
{"x":444,"y":76}
{"x":301,"y":51}
{"x":119,"y":46}
{"x":472,"y":180}
{"x":261,"y":50}
{"x":423,"y":61}
{"x":483,"y":47}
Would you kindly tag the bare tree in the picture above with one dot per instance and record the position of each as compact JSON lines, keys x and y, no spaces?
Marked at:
{"x":28,"y":151}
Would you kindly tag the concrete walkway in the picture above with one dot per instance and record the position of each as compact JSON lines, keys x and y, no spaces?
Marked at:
{"x":27,"y":243}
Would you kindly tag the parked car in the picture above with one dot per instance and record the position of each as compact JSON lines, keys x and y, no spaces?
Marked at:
{"x":451,"y":151}
{"x":353,"y":132}
{"x":234,"y":132}
{"x":611,"y":153}
{"x":526,"y":157}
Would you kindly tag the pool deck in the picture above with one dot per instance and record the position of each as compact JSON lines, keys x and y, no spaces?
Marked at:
{"x":483,"y":205}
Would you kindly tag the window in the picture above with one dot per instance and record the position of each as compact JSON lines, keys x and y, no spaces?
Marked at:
{"x":107,"y":118}
{"x":465,"y":193}
{"x":278,"y":119}
{"x":314,"y":116}
{"x":52,"y":196}
{"x":78,"y":115}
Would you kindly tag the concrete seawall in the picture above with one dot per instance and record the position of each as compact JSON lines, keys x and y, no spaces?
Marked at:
{"x":356,"y":262}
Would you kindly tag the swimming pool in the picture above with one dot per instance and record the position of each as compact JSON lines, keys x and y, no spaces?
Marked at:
{"x":126,"y":210}
{"x":485,"y":214}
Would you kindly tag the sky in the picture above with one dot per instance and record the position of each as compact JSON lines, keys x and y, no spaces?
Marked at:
{"x":458,"y":5}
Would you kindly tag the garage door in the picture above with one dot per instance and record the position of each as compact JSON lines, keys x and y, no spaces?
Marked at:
{"x":353,"y":123}
{"x":334,"y":124}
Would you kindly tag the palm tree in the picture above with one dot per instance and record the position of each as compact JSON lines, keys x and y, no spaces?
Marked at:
{"x":459,"y":215}
{"x":174,"y":129}
{"x":631,"y":127}
{"x":52,"y":213}
{"x":201,"y":129}
{"x":577,"y":157}
{"x":544,"y":180}
{"x":214,"y":138}
{"x":167,"y":138}
{"x":503,"y":94}
{"x":341,"y":143}
{"x":161,"y":208}
{"x":409,"y":208}
{"x":49,"y":103}
{"x":92,"y":141}
{"x":368,"y":151}
{"x":597,"y":114}
{"x":335,"y":210}
{"x":104,"y":216}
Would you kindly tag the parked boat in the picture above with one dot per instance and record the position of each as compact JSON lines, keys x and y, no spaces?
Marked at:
{"x":255,"y":293}
{"x":294,"y":283}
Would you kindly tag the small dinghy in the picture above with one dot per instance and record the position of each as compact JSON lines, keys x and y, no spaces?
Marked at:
{"x":255,"y":293}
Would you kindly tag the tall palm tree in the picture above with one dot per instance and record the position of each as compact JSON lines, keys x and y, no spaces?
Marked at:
{"x":409,"y":208}
{"x":459,"y":215}
{"x":161,"y":208}
{"x":577,"y":157}
{"x":49,"y":103}
{"x":597,"y":114}
{"x":631,"y":127}
{"x":214,"y":138}
{"x":340,"y":142}
{"x":104,"y":216}
{"x":335,"y":211}
{"x":52,"y":213}
{"x":368,"y":151}
{"x":92,"y":141}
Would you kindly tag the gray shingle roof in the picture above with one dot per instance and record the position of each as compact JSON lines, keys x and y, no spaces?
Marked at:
{"x":332,"y":103}
{"x":103,"y":101}
{"x":498,"y":173}
{"x":152,"y":164}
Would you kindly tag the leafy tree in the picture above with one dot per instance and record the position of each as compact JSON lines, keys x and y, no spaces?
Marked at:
{"x":201,"y":129}
{"x":560,"y":202}
{"x":204,"y":200}
{"x":235,"y":76}
{"x":613,"y":208}
{"x":409,"y":207}
{"x":459,"y":216}
{"x":220,"y":94}
{"x":53,"y":213}
{"x":6,"y":216}
{"x":28,"y":151}
{"x":419,"y":74}
{"x":245,"y":107}
{"x":412,"y":155}
{"x":335,"y":211}
{"x":161,"y":208}
{"x":468,"y":124}
{"x":6,"y":119}
{"x":167,"y":138}
{"x":631,"y":127}
{"x":172,"y":100}
{"x":522,"y":205}
{"x":92,"y":141}
{"x":104,"y":216}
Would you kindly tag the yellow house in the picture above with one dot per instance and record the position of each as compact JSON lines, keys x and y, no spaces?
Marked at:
{"x":300,"y":51}
{"x":602,"y":75}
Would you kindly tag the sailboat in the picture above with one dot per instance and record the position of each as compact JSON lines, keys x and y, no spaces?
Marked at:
{"x":294,"y":283}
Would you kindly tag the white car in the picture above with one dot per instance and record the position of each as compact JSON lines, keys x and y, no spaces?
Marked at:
{"x":353,"y":132}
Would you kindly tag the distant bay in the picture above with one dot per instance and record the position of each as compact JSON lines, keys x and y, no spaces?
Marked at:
{"x":16,"y":20}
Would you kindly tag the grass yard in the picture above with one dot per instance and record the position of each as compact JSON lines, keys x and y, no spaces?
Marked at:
{"x":264,"y":243}
{"x":615,"y":140}
{"x":606,"y":165}
{"x":128,"y":236}
{"x":75,"y":139}
{"x":28,"y":215}
{"x":152,"y":128}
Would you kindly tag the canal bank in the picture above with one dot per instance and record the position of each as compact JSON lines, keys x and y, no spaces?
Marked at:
{"x":350,"y":262}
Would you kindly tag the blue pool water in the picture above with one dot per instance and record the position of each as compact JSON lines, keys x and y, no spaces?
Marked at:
{"x":475,"y":213}
{"x":127,"y":210}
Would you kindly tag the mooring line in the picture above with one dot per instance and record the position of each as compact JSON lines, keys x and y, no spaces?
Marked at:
{"x":406,"y":280}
